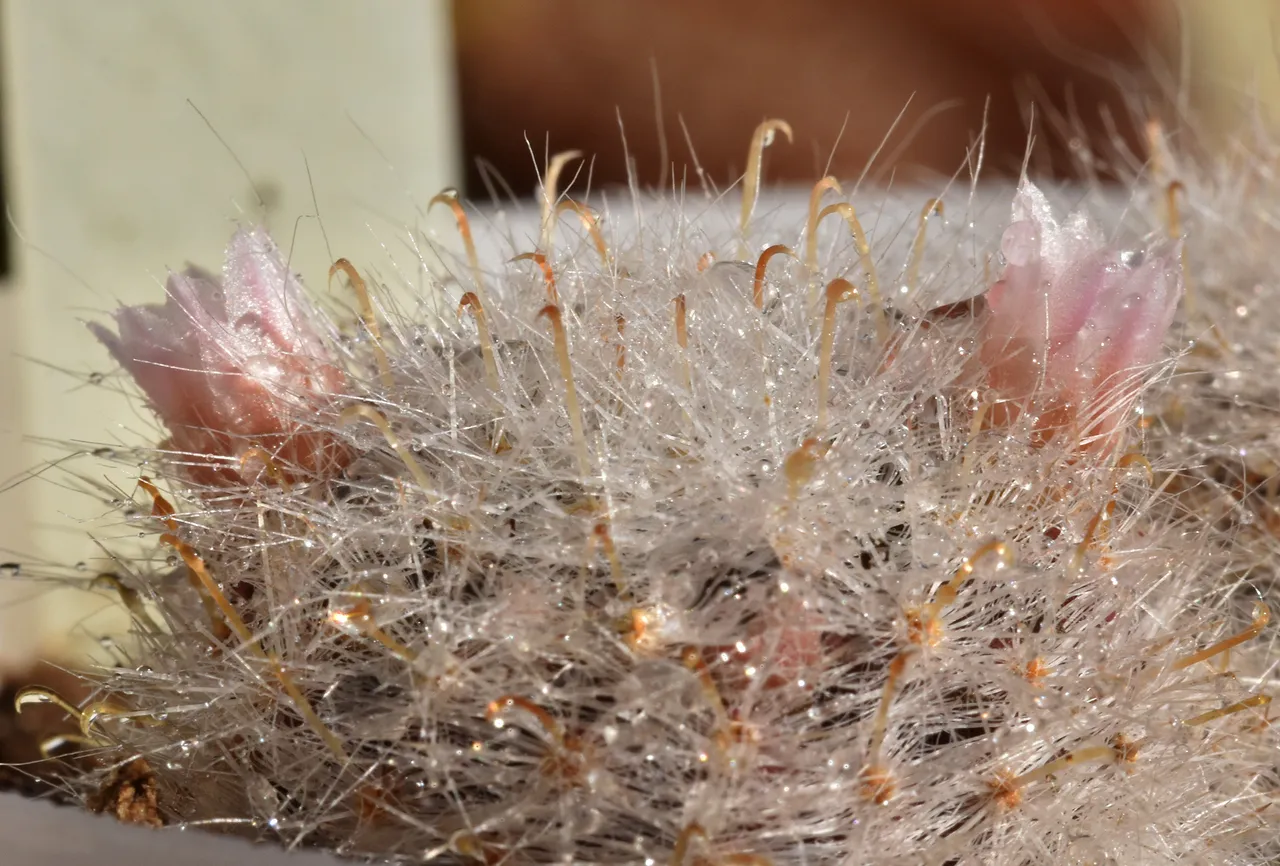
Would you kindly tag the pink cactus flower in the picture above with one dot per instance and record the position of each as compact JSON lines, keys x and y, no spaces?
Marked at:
{"x":1074,"y":323}
{"x":233,"y":366}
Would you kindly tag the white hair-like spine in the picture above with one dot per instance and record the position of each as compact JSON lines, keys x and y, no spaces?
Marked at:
{"x":655,"y":555}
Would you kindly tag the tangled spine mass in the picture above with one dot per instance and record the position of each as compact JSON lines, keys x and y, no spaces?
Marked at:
{"x":921,"y":536}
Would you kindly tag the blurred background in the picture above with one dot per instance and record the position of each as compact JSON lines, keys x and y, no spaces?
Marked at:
{"x":136,"y":131}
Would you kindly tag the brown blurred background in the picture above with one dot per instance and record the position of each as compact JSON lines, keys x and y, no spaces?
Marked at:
{"x":565,"y":71}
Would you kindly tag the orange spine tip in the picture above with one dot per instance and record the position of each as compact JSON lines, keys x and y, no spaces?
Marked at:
{"x":837,"y":290}
{"x":811,"y":227}
{"x":548,"y":276}
{"x":49,"y":746}
{"x":163,"y":510}
{"x":868,"y":264}
{"x":682,"y":325}
{"x":976,"y":425}
{"x":552,"y":313}
{"x":85,"y":716}
{"x":368,"y":413}
{"x":160,"y":507}
{"x":449,"y":198}
{"x":620,"y":364}
{"x":999,"y":549}
{"x":471,"y":301}
{"x":1127,"y":462}
{"x":1173,"y":214}
{"x":360,"y":618}
{"x":1086,"y":755}
{"x":272,"y":468}
{"x":1035,"y":672}
{"x":549,"y":724}
{"x":591,"y":224}
{"x":762,"y":263}
{"x":1095,"y":533}
{"x":1240,"y":706}
{"x":105,"y":709}
{"x":682,"y":340}
{"x":129,"y":598}
{"x":1174,"y":217}
{"x":1154,"y":130}
{"x":1261,"y":616}
{"x":693,"y":661}
{"x":760,"y":139}
{"x":601,"y":534}
{"x":28,"y":695}
{"x":877,"y":785}
{"x":684,"y":840}
{"x":197,"y":567}
{"x":550,"y":192}
{"x":799,"y":466}
{"x":706,"y":260}
{"x":932,"y":206}
{"x":367,"y":314}
{"x":897,"y":668}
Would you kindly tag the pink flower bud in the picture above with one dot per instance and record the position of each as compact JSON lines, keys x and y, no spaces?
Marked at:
{"x":1074,"y":323}
{"x":234,"y":365}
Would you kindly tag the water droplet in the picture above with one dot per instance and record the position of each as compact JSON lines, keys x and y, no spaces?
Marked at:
{"x":10,"y":569}
{"x":96,"y":378}
{"x":104,"y":452}
{"x":32,"y":696}
{"x":1020,"y":244}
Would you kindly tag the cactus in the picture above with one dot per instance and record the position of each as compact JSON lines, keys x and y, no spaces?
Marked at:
{"x":944,"y":541}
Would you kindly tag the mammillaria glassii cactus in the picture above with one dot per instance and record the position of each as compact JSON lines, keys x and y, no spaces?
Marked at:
{"x":672,"y":546}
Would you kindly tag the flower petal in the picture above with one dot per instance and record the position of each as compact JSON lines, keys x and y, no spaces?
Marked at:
{"x":264,"y":300}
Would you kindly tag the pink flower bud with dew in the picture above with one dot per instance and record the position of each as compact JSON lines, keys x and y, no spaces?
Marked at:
{"x":1074,"y":322}
{"x":234,"y":365}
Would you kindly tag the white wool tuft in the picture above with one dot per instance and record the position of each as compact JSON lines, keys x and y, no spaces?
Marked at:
{"x":716,"y":594}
